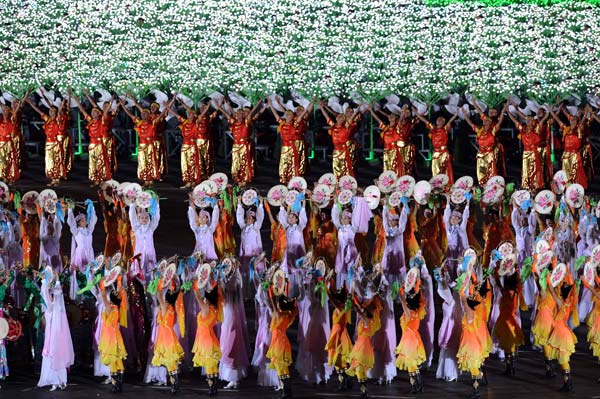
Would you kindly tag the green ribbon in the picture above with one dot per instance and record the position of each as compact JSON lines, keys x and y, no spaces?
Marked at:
{"x":321,"y":286}
{"x":579,"y":262}
{"x":526,"y":268}
{"x":544,"y":279}
{"x":90,"y":284}
{"x":153,"y":286}
{"x":17,"y":199}
{"x":460,"y":281}
{"x":187,"y":286}
{"x":395,"y":290}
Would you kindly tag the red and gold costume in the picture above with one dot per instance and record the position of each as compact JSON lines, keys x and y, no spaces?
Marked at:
{"x":342,"y":159}
{"x":532,"y":173}
{"x":148,"y":153}
{"x":56,"y":158}
{"x":111,"y":228}
{"x":10,"y":157}
{"x":224,"y":239}
{"x":280,"y":349}
{"x":353,"y":145}
{"x":489,"y":154}
{"x":100,"y":166}
{"x":406,"y":148}
{"x":242,"y":153}
{"x":301,"y":128}
{"x":587,"y":158}
{"x":292,"y":159}
{"x":109,"y":140}
{"x":391,"y":156}
{"x":126,"y":237}
{"x":441,"y":160}
{"x":30,"y":231}
{"x":429,"y":231}
{"x":189,"y":152}
{"x":379,"y":246}
{"x":572,"y":162}
{"x":160,"y":143}
{"x":204,"y":147}
{"x":327,"y":242}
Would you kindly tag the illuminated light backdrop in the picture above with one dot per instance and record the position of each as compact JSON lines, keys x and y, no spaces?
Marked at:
{"x":319,"y":47}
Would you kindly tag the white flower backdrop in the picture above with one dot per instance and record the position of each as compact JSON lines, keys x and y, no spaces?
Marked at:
{"x":318,"y":47}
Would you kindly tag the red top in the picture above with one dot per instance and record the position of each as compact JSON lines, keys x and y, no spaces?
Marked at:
{"x":390,"y":136}
{"x":530,"y":137}
{"x":301,"y":128}
{"x":572,"y":140}
{"x":240,"y":132}
{"x":54,"y":128}
{"x":189,"y":131}
{"x":340,"y":136}
{"x":203,"y":127}
{"x":439,"y":138}
{"x":288,"y":133}
{"x":146,"y":131}
{"x":486,"y":139}
{"x":96,"y":130}
{"x":405,"y":131}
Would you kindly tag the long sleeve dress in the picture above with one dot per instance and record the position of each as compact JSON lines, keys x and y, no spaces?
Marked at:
{"x":204,"y":234}
{"x":82,"y":251}
{"x":294,"y":250}
{"x":50,"y":243}
{"x":144,"y":238}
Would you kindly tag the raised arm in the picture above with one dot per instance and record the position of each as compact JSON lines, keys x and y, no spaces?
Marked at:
{"x":502,"y":115}
{"x":377,"y":118}
{"x":35,"y":108}
{"x":273,"y":110}
{"x":239,"y":215}
{"x":470,"y":122}
{"x":133,"y":217}
{"x":302,"y":220}
{"x":214,"y":220}
{"x":326,"y":114}
{"x":137,"y":105}
{"x":260,"y":215}
{"x":71,"y":221}
{"x":83,"y":111}
{"x":156,"y":218}
{"x":89,"y":98}
{"x":129,"y":114}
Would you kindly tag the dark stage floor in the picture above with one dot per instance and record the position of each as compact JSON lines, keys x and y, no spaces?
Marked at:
{"x":173,"y":236}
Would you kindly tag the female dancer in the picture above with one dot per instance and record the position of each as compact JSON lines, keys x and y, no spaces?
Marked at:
{"x":277,"y":237}
{"x":111,"y":346}
{"x":267,"y":376}
{"x":456,"y":233}
{"x":30,"y":232}
{"x":55,"y":129}
{"x":532,"y":174}
{"x":58,"y":353}
{"x":109,"y":113}
{"x":250,"y":222}
{"x":393,"y":262}
{"x":223,"y":236}
{"x":11,"y":141}
{"x":490,"y":159}
{"x":167,"y":350}
{"x":410,"y":350}
{"x":593,"y":320}
{"x":280,"y":351}
{"x":111,"y":214}
{"x":144,"y":225}
{"x":450,"y":329}
{"x":441,"y":160}
{"x":572,"y":163}
{"x":189,"y":151}
{"x":389,"y":134}
{"x":235,"y":344}
{"x":204,"y":225}
{"x":207,"y":352}
{"x":339,"y":345}
{"x":507,"y":329}
{"x":149,"y":168}
{"x":544,"y":319}
{"x":242,"y":153}
{"x":561,"y":341}
{"x":294,"y":223}
{"x":82,"y":229}
{"x":50,"y":232}
{"x":340,"y":135}
{"x":100,"y":166}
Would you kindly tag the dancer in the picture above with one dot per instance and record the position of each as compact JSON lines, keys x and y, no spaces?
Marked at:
{"x":449,"y":333}
{"x":143,"y":225}
{"x":530,"y":134}
{"x":389,"y":135}
{"x":267,"y":376}
{"x":339,"y":344}
{"x":284,"y":311}
{"x":11,"y":141}
{"x":111,"y":346}
{"x":167,"y":350}
{"x":278,"y":238}
{"x":110,"y":110}
{"x":294,"y":223}
{"x":82,"y":229}
{"x":456,"y":233}
{"x":207,"y":352}
{"x":250,"y":222}
{"x":56,"y":131}
{"x":441,"y":160}
{"x":111,"y":215}
{"x":340,"y":135}
{"x":572,"y":163}
{"x":394,"y":225}
{"x":203,"y":225}
{"x":50,"y":232}
{"x":490,"y":157}
{"x":58,"y":353}
{"x":190,"y":173}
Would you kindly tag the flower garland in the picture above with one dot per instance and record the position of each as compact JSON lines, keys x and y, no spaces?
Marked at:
{"x":317,"y":47}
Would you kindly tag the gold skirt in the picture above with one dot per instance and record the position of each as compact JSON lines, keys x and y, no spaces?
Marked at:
{"x":342,"y":163}
{"x":546,"y":163}
{"x":54,"y":164}
{"x":19,"y":142}
{"x":99,"y":163}
{"x":67,"y":148}
{"x":487,"y":165}
{"x":242,"y":164}
{"x":588,"y":161}
{"x":441,"y":162}
{"x":161,"y":154}
{"x":9,"y":166}
{"x":148,"y":167}
{"x":531,"y":172}
{"x":206,"y":160}
{"x":189,"y":164}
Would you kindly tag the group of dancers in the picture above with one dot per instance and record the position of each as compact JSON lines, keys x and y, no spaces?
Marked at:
{"x":397,"y":123}
{"x":538,"y":253}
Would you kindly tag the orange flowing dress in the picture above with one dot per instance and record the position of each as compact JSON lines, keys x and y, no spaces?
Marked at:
{"x":206,"y":349}
{"x":111,"y":228}
{"x":562,"y":340}
{"x":224,"y":240}
{"x":362,"y":357}
{"x":542,"y":325}
{"x":474,"y":348}
{"x":327,"y":242}
{"x":280,"y":350}
{"x":593,"y":322}
{"x":167,"y":349}
{"x":379,"y":246}
{"x":339,"y":345}
{"x":30,"y":231}
{"x":111,"y":345}
{"x":507,"y":330}
{"x":410,"y":350}
{"x":279,"y":242}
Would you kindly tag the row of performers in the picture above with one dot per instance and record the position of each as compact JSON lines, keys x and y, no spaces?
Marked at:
{"x":337,"y":245}
{"x":197,"y":153}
